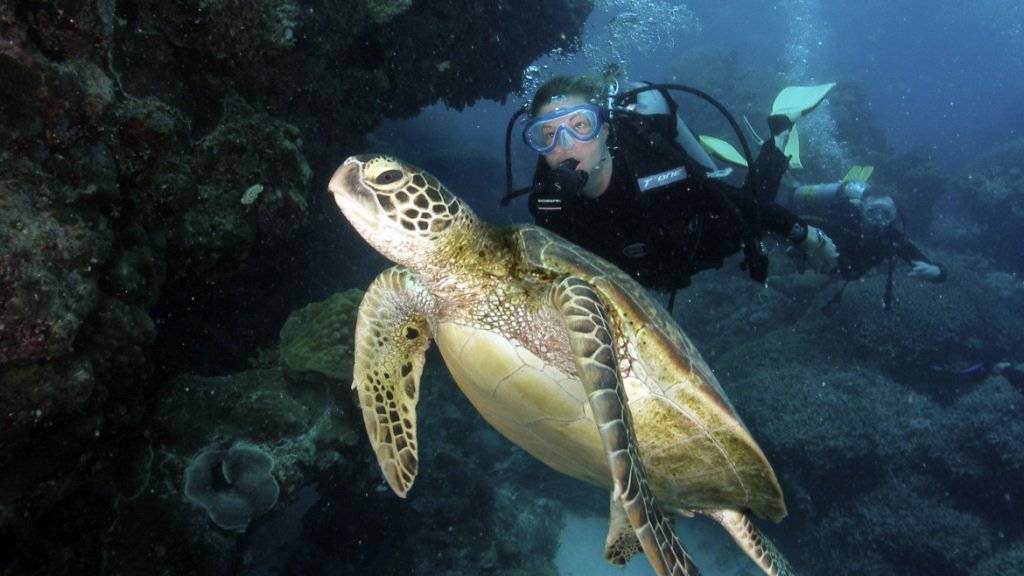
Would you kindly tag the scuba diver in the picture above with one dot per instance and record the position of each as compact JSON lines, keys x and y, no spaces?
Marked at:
{"x":864,"y":226}
{"x":622,"y":175}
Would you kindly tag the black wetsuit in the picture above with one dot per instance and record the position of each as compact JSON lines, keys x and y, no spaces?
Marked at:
{"x":665,"y":234}
{"x":859,"y":252}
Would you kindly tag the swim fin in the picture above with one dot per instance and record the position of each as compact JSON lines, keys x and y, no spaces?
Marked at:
{"x":722,"y":150}
{"x":859,"y":174}
{"x":793,"y":103}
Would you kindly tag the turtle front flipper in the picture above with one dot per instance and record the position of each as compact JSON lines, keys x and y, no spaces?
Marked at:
{"x":753,"y":543}
{"x":392,"y":336}
{"x":592,"y":344}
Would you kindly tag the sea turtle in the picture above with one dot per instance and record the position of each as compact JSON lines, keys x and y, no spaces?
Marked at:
{"x":561,"y":352}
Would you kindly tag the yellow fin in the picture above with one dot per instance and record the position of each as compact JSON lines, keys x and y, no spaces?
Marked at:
{"x":722,"y":150}
{"x":796,"y":101}
{"x":859,"y":174}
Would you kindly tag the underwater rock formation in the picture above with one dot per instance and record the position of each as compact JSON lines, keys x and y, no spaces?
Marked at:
{"x":317,"y":340}
{"x":992,"y":194}
{"x":129,"y":133}
{"x":479,"y":505}
{"x":1010,"y":561}
{"x":875,"y":449}
{"x":220,"y":232}
{"x":903,"y":520}
{"x":961,"y":320}
{"x":301,"y":428}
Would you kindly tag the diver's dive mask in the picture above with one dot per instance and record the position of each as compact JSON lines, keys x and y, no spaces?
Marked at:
{"x":878,"y":213}
{"x":563,"y":127}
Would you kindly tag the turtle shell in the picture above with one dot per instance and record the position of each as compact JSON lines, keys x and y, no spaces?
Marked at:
{"x":697,"y":452}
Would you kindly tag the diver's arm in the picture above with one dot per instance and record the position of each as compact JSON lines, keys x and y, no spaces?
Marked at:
{"x":921,"y":265}
{"x":819,"y":249}
{"x":774,"y":218}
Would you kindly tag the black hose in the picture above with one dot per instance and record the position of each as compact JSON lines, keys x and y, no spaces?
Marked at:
{"x":509,"y":193}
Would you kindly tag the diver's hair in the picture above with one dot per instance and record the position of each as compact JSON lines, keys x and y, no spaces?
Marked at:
{"x":593,"y":89}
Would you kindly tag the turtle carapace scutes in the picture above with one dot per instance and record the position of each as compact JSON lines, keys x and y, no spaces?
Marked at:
{"x":558,"y":350}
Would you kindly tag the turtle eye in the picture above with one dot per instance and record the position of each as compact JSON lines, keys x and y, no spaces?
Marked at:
{"x":388,"y":177}
{"x":385,"y":174}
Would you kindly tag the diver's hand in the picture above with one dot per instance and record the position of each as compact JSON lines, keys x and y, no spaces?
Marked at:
{"x":821,"y":252}
{"x":921,"y":269}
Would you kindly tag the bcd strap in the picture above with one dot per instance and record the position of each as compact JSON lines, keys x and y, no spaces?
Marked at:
{"x":754,"y":259}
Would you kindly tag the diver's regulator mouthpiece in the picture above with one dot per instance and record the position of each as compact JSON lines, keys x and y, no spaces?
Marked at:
{"x":576,"y":178}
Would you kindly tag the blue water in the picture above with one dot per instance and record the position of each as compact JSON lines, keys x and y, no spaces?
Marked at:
{"x":946,"y":77}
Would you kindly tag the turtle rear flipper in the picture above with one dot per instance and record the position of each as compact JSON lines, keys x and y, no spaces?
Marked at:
{"x":621,"y":543}
{"x":592,"y":345}
{"x":391,"y":340}
{"x":753,"y":543}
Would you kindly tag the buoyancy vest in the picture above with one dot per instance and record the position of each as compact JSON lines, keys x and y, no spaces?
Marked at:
{"x":651,"y":221}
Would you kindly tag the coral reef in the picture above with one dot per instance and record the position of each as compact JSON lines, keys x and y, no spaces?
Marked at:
{"x":317,"y":340}
{"x":992,"y":195}
{"x":395,"y":58}
{"x":129,"y":133}
{"x":906,"y":530}
{"x":472,"y":491}
{"x":874,"y":450}
{"x":49,"y":259}
{"x":200,"y":422}
{"x":960,"y":321}
{"x":1010,"y":561}
{"x":219,"y":233}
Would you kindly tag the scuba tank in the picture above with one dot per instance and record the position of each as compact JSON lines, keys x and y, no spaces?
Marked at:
{"x":816,"y":196}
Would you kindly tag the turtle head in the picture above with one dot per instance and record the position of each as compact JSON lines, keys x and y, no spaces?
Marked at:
{"x":400,"y":210}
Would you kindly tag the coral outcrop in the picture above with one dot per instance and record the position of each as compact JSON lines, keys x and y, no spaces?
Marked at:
{"x":874,"y":431}
{"x":203,"y":423}
{"x":992,"y":195}
{"x":129,"y":133}
{"x":317,"y":340}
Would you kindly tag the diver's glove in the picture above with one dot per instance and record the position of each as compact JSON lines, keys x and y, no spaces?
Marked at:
{"x":819,"y":250}
{"x":927,"y":271}
{"x":557,"y":185}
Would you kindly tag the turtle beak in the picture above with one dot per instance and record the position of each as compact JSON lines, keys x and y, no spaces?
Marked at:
{"x":345,"y":180}
{"x":352,"y":197}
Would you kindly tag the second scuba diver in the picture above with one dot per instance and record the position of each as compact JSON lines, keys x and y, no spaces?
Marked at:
{"x":864,"y":227}
{"x":622,"y":176}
